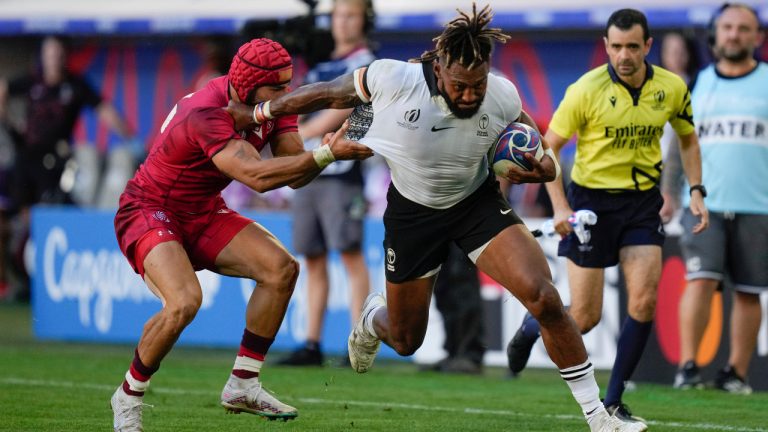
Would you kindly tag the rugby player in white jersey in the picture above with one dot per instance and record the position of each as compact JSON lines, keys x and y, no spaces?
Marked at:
{"x":434,"y":121}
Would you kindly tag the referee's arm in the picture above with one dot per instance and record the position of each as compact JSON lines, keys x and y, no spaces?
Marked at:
{"x":690,"y":154}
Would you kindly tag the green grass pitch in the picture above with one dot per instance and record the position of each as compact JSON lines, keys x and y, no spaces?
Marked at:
{"x":56,"y":386}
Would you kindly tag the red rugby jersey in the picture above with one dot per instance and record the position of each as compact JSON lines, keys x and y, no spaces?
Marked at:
{"x":178,"y":173}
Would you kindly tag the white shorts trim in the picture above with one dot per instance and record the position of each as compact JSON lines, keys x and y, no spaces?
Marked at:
{"x":475,"y":254}
{"x":749,"y":289}
{"x":704,"y":275}
{"x":430,"y":273}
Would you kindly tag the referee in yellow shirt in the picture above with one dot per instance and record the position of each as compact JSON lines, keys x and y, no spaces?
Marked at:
{"x":618,"y":112}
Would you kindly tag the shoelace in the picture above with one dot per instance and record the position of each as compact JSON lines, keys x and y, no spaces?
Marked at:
{"x":132,"y":411}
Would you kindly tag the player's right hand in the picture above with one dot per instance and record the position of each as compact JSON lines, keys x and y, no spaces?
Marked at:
{"x":560,"y":220}
{"x":344,"y":149}
{"x":241,"y":113}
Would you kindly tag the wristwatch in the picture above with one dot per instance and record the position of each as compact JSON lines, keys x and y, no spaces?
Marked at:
{"x":700,"y":188}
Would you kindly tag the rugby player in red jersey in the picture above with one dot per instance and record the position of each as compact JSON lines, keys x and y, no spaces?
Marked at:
{"x":172,"y":221}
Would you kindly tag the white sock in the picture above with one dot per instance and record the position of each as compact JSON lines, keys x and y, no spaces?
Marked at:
{"x":368,"y":322}
{"x":136,"y":385}
{"x":249,"y":364}
{"x":581,"y":380}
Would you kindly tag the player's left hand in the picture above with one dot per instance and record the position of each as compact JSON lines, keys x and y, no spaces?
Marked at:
{"x":343,"y":148}
{"x":242,"y":113}
{"x":669,"y":207}
{"x":699,"y":209}
{"x":541,"y":172}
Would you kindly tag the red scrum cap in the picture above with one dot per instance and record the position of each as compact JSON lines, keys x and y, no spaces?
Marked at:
{"x":257,"y":63}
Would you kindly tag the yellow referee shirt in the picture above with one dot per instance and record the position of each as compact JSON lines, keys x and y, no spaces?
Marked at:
{"x":618,"y":127}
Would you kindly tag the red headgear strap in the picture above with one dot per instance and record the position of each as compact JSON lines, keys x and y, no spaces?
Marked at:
{"x":257,"y":63}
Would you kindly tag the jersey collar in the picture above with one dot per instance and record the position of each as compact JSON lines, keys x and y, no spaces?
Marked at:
{"x":634,"y":92}
{"x":429,"y":77}
{"x":434,"y":93}
{"x":615,"y":77}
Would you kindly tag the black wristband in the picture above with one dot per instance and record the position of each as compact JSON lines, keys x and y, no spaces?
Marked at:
{"x":700,"y":188}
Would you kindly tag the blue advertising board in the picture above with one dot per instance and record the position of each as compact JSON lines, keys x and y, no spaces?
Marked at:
{"x":83,"y":288}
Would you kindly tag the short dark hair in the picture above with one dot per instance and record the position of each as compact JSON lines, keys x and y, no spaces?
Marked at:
{"x":624,"y":19}
{"x":466,"y":39}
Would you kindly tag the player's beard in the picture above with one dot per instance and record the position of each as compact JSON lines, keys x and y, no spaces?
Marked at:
{"x":735,"y":55}
{"x":462,"y":113}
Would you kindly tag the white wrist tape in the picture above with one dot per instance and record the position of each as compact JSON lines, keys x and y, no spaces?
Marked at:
{"x":265,"y":110}
{"x":323,"y":156}
{"x":551,"y":154}
{"x":255,"y":119}
{"x":261,"y":112}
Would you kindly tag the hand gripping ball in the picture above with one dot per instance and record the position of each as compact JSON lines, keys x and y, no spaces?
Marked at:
{"x":514,"y":142}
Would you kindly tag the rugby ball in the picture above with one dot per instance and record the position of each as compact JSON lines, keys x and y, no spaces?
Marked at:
{"x":514,"y":142}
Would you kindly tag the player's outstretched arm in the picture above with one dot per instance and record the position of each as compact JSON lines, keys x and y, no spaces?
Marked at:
{"x":240,"y":160}
{"x":339,"y":93}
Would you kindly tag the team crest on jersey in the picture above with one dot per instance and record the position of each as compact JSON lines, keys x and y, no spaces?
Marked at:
{"x":257,"y":131}
{"x":410,"y":117}
{"x":390,"y":259}
{"x":161,"y":216}
{"x":483,"y":125}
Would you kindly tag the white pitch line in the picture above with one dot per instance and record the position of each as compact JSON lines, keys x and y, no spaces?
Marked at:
{"x":479,"y":411}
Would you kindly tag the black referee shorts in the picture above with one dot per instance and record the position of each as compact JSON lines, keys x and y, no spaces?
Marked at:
{"x":627,"y":218}
{"x":416,"y":237}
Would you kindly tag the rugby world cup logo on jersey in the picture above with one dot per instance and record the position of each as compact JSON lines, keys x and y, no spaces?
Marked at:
{"x":658,"y":100}
{"x":482,"y":124}
{"x":410,"y":117}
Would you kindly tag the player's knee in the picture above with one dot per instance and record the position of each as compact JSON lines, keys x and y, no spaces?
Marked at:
{"x":586,"y":320}
{"x":404,"y":338}
{"x":546,"y":306}
{"x":282,"y":274}
{"x":405,"y":347}
{"x":642,"y":307}
{"x":181,"y":312}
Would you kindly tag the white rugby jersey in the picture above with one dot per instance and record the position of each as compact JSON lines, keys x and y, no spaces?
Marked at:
{"x":436,"y":159}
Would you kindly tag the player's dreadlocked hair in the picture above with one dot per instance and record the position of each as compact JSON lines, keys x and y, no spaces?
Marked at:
{"x":466,"y":39}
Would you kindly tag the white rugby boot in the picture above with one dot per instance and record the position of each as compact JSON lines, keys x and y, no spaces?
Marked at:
{"x":127,"y":411}
{"x":604,"y":422}
{"x":238,"y":397}
{"x":362,"y":345}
